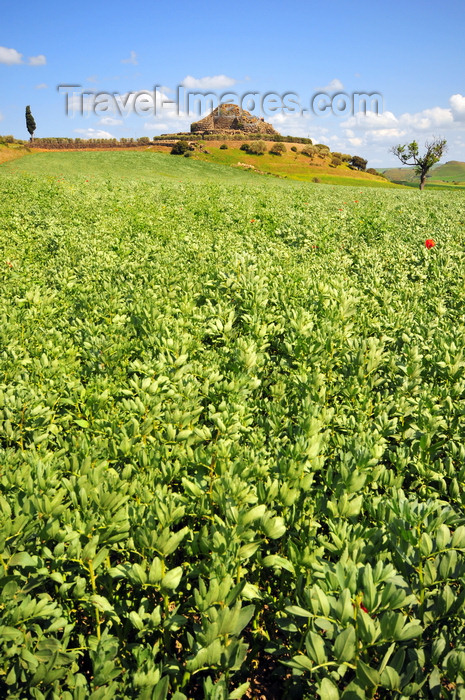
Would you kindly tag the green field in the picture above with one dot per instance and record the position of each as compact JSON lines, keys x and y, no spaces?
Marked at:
{"x":232,"y":434}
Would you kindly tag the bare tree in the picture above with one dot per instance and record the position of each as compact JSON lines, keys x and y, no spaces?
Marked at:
{"x":409,"y":155}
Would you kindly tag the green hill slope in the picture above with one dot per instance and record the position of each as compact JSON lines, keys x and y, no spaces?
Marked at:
{"x":452,"y":172}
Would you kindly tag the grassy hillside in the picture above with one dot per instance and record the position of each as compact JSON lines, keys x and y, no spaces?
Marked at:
{"x":292,"y":165}
{"x":452,"y":172}
{"x":218,"y":165}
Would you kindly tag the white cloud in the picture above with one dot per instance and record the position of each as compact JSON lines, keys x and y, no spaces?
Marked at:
{"x":457,"y":103}
{"x":333,"y":86}
{"x":435,"y":117}
{"x":41,"y":86}
{"x":208,"y":82}
{"x":132,"y":59}
{"x":370,"y":120}
{"x":39,"y":60}
{"x":110,"y":121}
{"x":10,"y":56}
{"x":92,"y":79}
{"x":94,"y":133}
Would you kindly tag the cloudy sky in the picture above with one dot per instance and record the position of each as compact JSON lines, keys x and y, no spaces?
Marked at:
{"x":138,"y":62}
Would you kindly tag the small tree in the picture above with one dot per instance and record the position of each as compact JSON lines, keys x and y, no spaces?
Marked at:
{"x":180,"y":148}
{"x":358,"y":163}
{"x":277,"y":149}
{"x":409,"y":155}
{"x":30,"y":123}
{"x":258,"y":148}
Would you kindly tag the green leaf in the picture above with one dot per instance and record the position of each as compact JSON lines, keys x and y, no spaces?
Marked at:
{"x":315,"y":647}
{"x":278,"y":562}
{"x":296,"y":610}
{"x":344,"y":645}
{"x":368,"y":677}
{"x":23,"y":559}
{"x":410,"y":631}
{"x":172,"y":579}
{"x":101,"y":603}
{"x":238,"y":693}
{"x":327,"y":690}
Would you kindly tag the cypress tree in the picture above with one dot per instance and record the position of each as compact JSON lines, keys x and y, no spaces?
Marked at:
{"x":30,"y":123}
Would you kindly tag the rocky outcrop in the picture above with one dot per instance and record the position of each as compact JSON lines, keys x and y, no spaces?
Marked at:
{"x":230,"y":117}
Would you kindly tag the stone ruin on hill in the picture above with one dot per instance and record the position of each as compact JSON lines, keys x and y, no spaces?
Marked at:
{"x":230,"y":117}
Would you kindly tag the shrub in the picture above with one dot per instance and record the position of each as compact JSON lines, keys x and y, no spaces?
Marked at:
{"x":258,"y":148}
{"x":188,"y":154}
{"x":278,"y":149}
{"x":309,"y":151}
{"x":294,"y":148}
{"x":358,"y":163}
{"x":223,"y":146}
{"x":143,"y":140}
{"x":179,"y":148}
{"x":335,"y":161}
{"x":316,"y":179}
{"x":245,"y":147}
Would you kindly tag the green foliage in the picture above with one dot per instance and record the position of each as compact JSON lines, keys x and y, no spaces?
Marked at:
{"x":278,"y":149}
{"x":245,"y":147}
{"x":358,"y":163}
{"x":231,"y":438}
{"x":294,"y":149}
{"x":257,"y":148}
{"x":336,"y":161}
{"x":224,"y":146}
{"x":309,"y":151}
{"x":30,"y":123}
{"x":180,"y":148}
{"x":409,"y":154}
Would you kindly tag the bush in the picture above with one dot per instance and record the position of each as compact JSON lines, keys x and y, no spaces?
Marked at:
{"x":358,"y":163}
{"x":294,"y":148}
{"x":143,"y":140}
{"x":278,"y":149}
{"x":245,"y":147}
{"x":309,"y":151}
{"x":180,"y":148}
{"x":336,"y":161}
{"x":258,"y":148}
{"x":316,"y":179}
{"x":223,"y":146}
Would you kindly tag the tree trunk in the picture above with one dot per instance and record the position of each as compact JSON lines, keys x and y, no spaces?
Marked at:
{"x":422,"y":181}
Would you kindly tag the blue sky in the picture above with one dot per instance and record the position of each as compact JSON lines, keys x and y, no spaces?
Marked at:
{"x":410,"y":52}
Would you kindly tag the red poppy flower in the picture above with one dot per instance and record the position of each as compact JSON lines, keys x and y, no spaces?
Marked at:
{"x":429,"y":243}
{"x":252,"y":220}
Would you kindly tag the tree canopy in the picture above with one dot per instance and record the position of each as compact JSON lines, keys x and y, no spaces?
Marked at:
{"x":30,"y":122}
{"x":409,"y":154}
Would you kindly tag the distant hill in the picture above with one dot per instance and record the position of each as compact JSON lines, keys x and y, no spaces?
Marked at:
{"x":452,"y":172}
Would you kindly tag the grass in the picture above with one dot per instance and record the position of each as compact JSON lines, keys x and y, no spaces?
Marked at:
{"x":134,"y":165}
{"x":218,"y":165}
{"x":291,"y":165}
